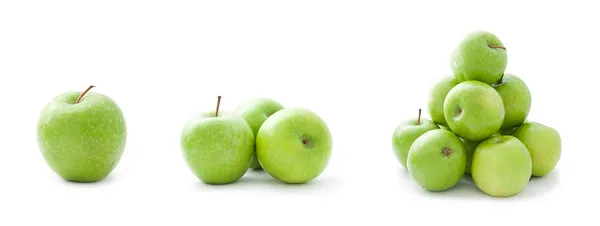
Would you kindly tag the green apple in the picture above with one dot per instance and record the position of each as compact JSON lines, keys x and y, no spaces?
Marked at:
{"x":480,"y":56}
{"x":82,"y":136}
{"x":406,"y":133}
{"x":217,"y":146}
{"x":437,"y":95}
{"x":470,"y":147}
{"x":474,"y":110}
{"x":437,"y":160}
{"x":255,"y":112}
{"x":516,"y":99}
{"x":294,"y":145}
{"x":543,"y":144}
{"x":501,"y":166}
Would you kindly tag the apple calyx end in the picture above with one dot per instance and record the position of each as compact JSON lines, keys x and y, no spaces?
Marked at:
{"x":446,"y":152}
{"x":306,"y":142}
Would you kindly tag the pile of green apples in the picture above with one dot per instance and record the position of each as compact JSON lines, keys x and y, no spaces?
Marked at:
{"x":478,"y":126}
{"x":293,"y":145}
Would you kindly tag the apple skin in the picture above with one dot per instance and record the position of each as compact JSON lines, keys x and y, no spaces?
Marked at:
{"x":474,"y":110}
{"x":437,"y":160}
{"x":255,"y":112}
{"x":458,"y":77}
{"x":501,"y":166}
{"x":470,"y":147}
{"x":82,"y":142}
{"x":479,"y":58}
{"x":516,"y":98}
{"x":294,"y":145}
{"x":218,"y":150}
{"x":543,"y":144}
{"x":437,"y":96}
{"x":406,"y":133}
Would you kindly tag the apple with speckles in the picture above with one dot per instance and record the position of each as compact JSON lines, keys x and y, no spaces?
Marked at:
{"x":82,"y":135}
{"x":474,"y":110}
{"x":544,"y":145}
{"x":437,"y":96}
{"x":406,"y":133}
{"x":218,"y":146}
{"x":255,"y":112}
{"x":501,"y":166}
{"x":481,"y":56}
{"x":437,"y":160}
{"x":516,"y":98}
{"x":294,"y":145}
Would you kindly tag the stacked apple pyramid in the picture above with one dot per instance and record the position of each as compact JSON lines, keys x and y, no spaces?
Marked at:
{"x":478,"y":126}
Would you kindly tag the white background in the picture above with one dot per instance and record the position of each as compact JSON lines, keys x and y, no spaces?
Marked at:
{"x":363,"y":66}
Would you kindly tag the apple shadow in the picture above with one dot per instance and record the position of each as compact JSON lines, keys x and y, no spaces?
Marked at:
{"x":466,"y":188}
{"x":538,"y":186}
{"x":260,"y":178}
{"x":103,"y":182}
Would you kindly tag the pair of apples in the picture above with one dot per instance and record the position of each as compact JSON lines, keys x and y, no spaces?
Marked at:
{"x":478,"y":126}
{"x":82,"y":137}
{"x":293,"y":145}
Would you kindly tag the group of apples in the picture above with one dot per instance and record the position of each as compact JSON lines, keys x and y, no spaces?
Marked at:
{"x":478,"y":126}
{"x":82,"y":137}
{"x":292,"y":145}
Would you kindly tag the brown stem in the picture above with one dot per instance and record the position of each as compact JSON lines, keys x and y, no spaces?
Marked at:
{"x":419,"y":119}
{"x":218,"y":104}
{"x":497,"y":47}
{"x":83,"y":94}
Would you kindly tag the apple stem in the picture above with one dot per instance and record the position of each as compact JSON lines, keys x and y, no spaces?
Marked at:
{"x":419,"y":118}
{"x":218,"y":104}
{"x":83,"y":94}
{"x":497,"y":47}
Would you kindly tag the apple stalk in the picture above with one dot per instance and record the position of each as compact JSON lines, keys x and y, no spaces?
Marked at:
{"x":218,"y":104}
{"x":419,"y":118}
{"x":497,"y":47}
{"x":83,"y":94}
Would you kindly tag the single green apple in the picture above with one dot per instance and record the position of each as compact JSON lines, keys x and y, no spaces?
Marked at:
{"x":501,"y":166}
{"x":406,"y":133}
{"x":480,"y":56}
{"x":543,"y":144}
{"x":217,"y":146}
{"x":474,"y":110}
{"x":82,"y":136}
{"x":516,"y":99}
{"x":470,"y":147}
{"x":437,"y":160}
{"x":294,"y":145}
{"x":437,"y":95}
{"x":255,"y":112}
